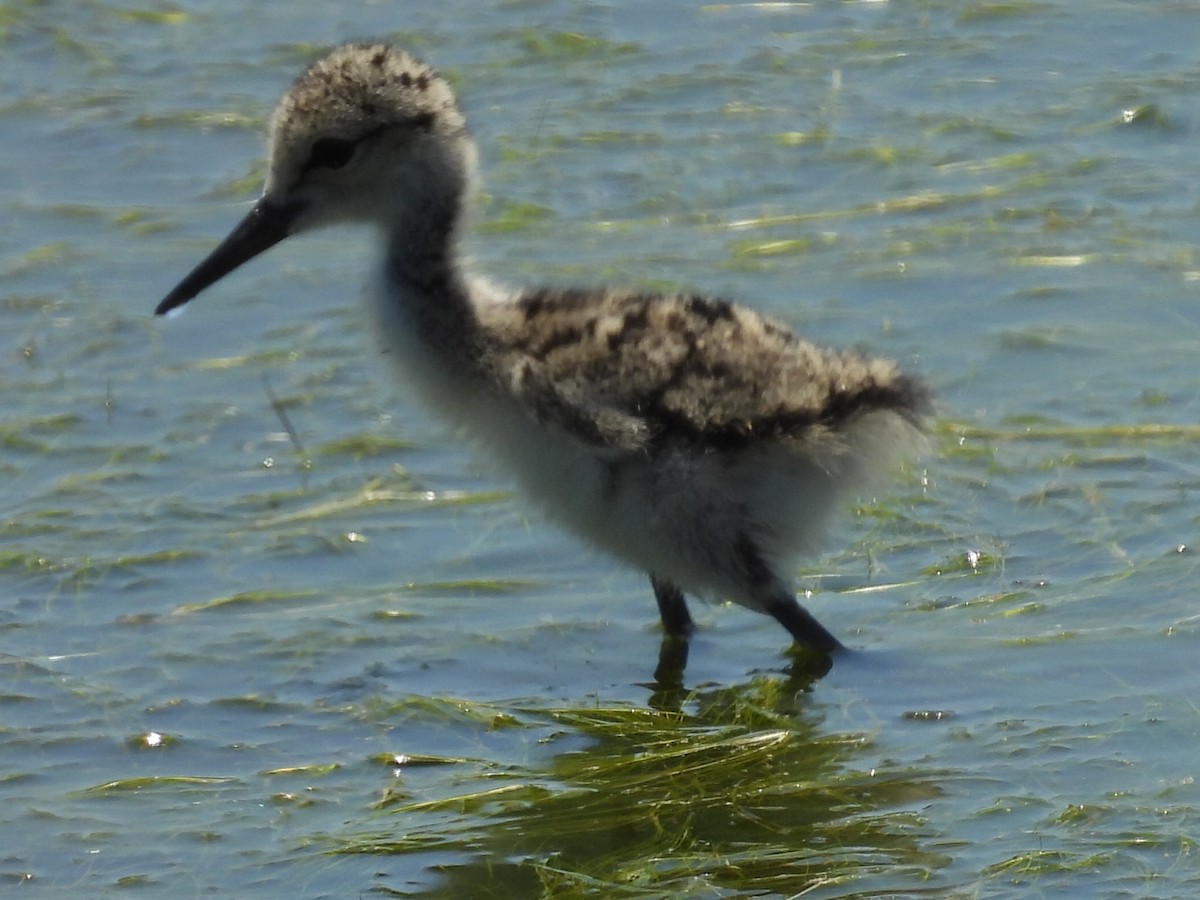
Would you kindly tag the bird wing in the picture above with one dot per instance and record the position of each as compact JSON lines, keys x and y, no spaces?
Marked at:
{"x":635,"y":371}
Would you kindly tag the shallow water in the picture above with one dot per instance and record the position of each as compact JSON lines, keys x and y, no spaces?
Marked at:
{"x":215,"y":644}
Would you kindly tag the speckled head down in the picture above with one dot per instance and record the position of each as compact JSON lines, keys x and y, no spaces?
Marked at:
{"x":355,"y":92}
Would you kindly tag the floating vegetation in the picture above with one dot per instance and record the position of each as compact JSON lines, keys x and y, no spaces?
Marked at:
{"x":172,"y":16}
{"x":202,"y":118}
{"x":363,"y":445}
{"x":307,"y":771}
{"x":1148,"y":115}
{"x":416,"y":760}
{"x":511,"y":215}
{"x":1045,"y":862}
{"x":265,"y":358}
{"x":968,"y":561}
{"x":736,"y":795}
{"x":801,"y":138}
{"x":1079,"y":434}
{"x":1006,"y":161}
{"x":247,"y":185}
{"x":765,"y":5}
{"x":998,"y":9}
{"x":616,"y":136}
{"x":156,"y":782}
{"x":372,"y":495}
{"x":490,"y":585}
{"x":789,"y":246}
{"x":924,"y":201}
{"x":433,"y":712}
{"x":140,"y":222}
{"x":46,"y":256}
{"x":245,"y":598}
{"x":571,"y":45}
{"x":1068,"y":261}
{"x":158,"y":557}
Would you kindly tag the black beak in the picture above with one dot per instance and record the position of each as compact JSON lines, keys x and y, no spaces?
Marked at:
{"x":264,"y":226}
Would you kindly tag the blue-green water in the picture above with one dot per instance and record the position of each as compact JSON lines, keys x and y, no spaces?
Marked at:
{"x":1003,"y":195}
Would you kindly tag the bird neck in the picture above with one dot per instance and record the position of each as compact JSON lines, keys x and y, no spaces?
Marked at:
{"x":425,"y":286}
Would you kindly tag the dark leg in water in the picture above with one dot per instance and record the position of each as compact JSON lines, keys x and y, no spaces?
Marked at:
{"x":677,"y":628}
{"x":804,"y":629}
{"x":777,"y":599}
{"x":677,"y":621}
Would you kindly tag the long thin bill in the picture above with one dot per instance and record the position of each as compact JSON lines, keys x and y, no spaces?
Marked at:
{"x":264,"y":226}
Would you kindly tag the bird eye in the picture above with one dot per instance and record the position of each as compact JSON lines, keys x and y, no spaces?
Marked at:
{"x":331,"y":153}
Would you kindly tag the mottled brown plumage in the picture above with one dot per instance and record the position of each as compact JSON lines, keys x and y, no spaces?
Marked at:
{"x":674,"y":369}
{"x":692,"y":438}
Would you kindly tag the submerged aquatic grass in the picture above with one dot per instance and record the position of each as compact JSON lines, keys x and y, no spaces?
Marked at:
{"x":729,"y":792}
{"x":187,"y":784}
{"x":244,"y":599}
{"x":1099,"y":435}
{"x":543,"y":45}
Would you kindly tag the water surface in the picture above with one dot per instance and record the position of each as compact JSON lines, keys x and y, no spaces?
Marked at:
{"x":235,"y":666}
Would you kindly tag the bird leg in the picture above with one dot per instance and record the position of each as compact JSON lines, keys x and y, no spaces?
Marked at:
{"x":677,"y":621}
{"x":778,"y":601}
{"x":800,"y":623}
